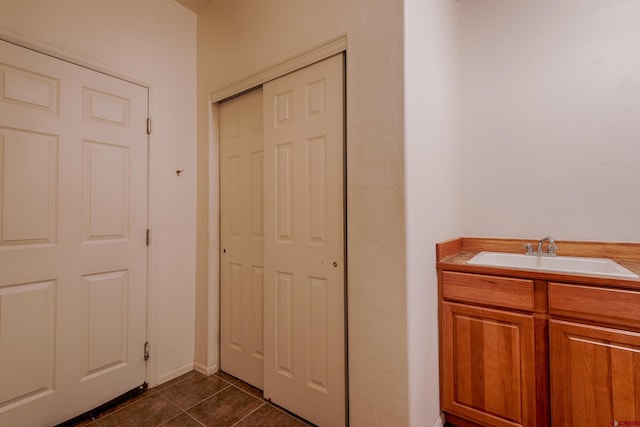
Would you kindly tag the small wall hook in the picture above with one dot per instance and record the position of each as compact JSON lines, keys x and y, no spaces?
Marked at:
{"x":179,"y":172}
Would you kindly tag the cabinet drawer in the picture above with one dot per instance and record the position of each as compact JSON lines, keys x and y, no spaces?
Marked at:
{"x":496,"y":291}
{"x":613,"y":306}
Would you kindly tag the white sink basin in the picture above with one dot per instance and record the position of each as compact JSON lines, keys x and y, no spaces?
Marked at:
{"x":564,"y":264}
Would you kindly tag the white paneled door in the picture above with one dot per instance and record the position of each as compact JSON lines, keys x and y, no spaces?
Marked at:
{"x":283,"y":241}
{"x":304,"y":271}
{"x":73,"y":218}
{"x":242,"y":237}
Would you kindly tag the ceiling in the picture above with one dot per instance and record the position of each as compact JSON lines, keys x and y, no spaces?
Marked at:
{"x":194,"y":5}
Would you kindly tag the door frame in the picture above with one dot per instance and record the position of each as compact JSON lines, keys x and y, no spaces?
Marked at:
{"x":44,"y":48}
{"x":323,"y":51}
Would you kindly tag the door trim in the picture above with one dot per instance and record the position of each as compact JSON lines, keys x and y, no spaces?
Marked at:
{"x":45,"y":48}
{"x":57,"y":52}
{"x":296,"y":63}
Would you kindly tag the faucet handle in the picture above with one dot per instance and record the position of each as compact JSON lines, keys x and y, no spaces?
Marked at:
{"x":528,"y":247}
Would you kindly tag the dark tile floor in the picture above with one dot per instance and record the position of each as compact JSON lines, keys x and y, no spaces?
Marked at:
{"x":196,"y":400}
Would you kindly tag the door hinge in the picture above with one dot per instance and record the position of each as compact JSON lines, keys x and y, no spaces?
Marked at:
{"x":148,"y":236}
{"x":148,"y":126}
{"x":146,"y":350}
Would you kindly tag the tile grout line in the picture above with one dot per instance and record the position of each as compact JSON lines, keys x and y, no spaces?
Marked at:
{"x":101,"y":419}
{"x":95,"y":418}
{"x":159,"y":391}
{"x":194,"y":419}
{"x":174,"y":404}
{"x":302,"y":421}
{"x":245,"y":391}
{"x":168,"y":384}
{"x":207,"y":398}
{"x":228,"y":384}
{"x":182,"y":412}
{"x":241,"y":419}
{"x":272,"y":405}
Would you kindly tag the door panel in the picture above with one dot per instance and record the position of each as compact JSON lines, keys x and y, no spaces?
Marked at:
{"x":105,"y":191}
{"x":242,"y":237}
{"x":28,"y":177}
{"x":27,"y":327}
{"x":73,"y":215}
{"x":304,"y":242}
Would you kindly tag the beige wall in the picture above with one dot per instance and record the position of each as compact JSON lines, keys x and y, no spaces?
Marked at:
{"x":239,"y":39}
{"x":432,"y":183}
{"x":550,"y":119}
{"x":153,"y":40}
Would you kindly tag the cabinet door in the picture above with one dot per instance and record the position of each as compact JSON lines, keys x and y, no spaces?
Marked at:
{"x":595,"y":375}
{"x":488,"y":365}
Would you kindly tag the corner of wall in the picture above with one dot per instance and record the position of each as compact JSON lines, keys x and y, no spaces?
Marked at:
{"x":206,"y":370}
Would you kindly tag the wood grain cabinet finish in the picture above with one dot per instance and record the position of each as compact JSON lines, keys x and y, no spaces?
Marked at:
{"x":610,"y":306}
{"x":594,"y":355}
{"x":532,"y":348}
{"x":481,"y":289}
{"x":595,"y":375}
{"x":495,"y":362}
{"x":488,"y":365}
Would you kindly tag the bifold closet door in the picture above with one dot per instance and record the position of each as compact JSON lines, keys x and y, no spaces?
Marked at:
{"x":242,"y":237}
{"x":304,"y":269}
{"x":73,"y":255}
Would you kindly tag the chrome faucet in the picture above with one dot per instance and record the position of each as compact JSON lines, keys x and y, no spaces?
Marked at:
{"x":551,"y":247}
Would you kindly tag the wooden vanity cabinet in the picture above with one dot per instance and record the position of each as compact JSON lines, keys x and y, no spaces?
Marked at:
{"x":594,"y":355}
{"x":493,"y":351}
{"x":538,"y":348}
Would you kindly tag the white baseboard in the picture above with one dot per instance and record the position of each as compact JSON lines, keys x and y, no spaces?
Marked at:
{"x":206,"y":370}
{"x":174,"y":374}
{"x":439,"y":421}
